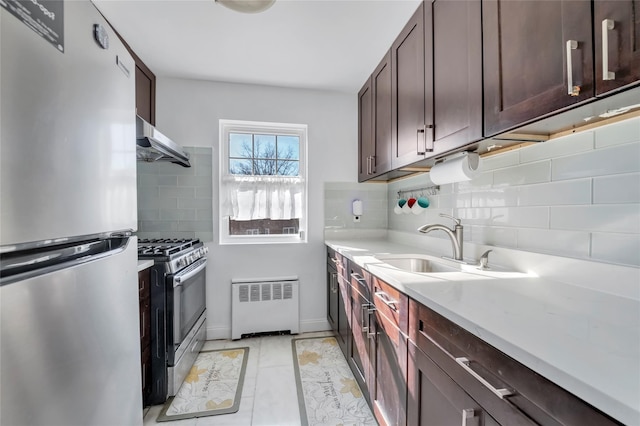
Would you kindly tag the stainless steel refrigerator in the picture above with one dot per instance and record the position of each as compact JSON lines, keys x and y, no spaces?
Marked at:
{"x":69,"y":342}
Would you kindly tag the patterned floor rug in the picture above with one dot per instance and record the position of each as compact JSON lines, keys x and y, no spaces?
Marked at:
{"x":212,"y":387}
{"x":328,"y":394}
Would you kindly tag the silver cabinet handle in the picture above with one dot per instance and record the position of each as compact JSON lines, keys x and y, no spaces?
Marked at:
{"x":387,"y":300}
{"x":370,"y":310}
{"x":334,"y":282}
{"x":571,"y":89}
{"x":469,"y":417}
{"x":358,"y":277}
{"x":373,"y":164}
{"x":424,"y":141}
{"x":607,"y":25}
{"x":369,"y":165}
{"x":426,"y":147}
{"x":363,"y":308}
{"x":501,"y":393}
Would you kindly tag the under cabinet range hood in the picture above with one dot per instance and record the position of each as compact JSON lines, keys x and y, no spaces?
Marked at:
{"x":154,"y":146}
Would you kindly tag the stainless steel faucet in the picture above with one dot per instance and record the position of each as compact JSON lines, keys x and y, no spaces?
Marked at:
{"x":455,"y":234}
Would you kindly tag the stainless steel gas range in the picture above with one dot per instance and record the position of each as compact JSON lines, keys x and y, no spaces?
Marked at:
{"x":178,"y":311}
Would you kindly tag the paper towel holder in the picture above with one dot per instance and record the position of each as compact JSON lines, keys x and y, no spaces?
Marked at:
{"x":457,"y":167}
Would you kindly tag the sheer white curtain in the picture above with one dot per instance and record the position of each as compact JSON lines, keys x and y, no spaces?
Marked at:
{"x":262,"y":197}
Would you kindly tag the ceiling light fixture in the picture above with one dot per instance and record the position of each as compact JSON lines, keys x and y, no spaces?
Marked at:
{"x":247,"y":6}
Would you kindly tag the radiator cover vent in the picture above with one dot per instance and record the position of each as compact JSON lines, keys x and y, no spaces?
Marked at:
{"x":264,"y":306}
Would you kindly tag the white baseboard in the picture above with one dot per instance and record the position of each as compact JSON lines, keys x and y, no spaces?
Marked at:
{"x":217,"y":333}
{"x":308,"y":326}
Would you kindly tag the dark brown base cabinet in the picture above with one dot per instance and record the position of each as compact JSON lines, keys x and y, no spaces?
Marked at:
{"x":436,"y":400}
{"x":337,"y":294}
{"x":389,"y":360}
{"x":447,"y":367}
{"x":416,"y":367}
{"x":360,"y":349}
{"x":144,"y":297}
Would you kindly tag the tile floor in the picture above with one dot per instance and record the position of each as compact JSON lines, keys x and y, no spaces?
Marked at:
{"x":269,"y":396}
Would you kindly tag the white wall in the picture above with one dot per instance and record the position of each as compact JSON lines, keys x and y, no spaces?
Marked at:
{"x":189,"y":111}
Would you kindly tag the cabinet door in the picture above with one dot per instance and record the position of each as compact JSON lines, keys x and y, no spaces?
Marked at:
{"x":435,"y":399}
{"x":453,"y":91}
{"x":389,"y":392}
{"x":381,"y":86}
{"x":529,"y":62}
{"x":344,"y":314}
{"x":365,"y":132}
{"x":332,"y":295}
{"x":617,"y":39}
{"x":407,"y":89}
{"x":359,"y":352}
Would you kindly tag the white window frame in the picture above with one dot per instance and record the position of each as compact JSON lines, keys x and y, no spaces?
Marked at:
{"x":258,"y":127}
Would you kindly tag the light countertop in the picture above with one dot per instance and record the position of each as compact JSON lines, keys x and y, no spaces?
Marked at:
{"x":586,"y":341}
{"x":144,"y":264}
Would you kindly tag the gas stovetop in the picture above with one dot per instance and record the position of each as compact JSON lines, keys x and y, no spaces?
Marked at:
{"x":165,"y":247}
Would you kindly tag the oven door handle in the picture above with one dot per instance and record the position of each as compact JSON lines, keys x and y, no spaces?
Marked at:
{"x":178,"y":279}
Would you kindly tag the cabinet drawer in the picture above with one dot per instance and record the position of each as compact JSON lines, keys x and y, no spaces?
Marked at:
{"x":391,"y":303}
{"x":360,"y":280}
{"x":470,"y":361}
{"x":337,"y":261}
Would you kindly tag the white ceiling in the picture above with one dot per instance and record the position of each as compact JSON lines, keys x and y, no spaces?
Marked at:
{"x":317,"y":44}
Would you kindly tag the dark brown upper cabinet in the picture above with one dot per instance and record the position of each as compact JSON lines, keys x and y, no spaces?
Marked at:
{"x":381,"y":86}
{"x":145,"y":92}
{"x":366,"y":148}
{"x":437,"y":83}
{"x":374,"y":120}
{"x":538,"y":59}
{"x":407,"y":89}
{"x":617,"y":44}
{"x":453,"y":81}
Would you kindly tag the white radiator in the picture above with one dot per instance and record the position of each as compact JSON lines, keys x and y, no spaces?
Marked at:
{"x":264,"y":306}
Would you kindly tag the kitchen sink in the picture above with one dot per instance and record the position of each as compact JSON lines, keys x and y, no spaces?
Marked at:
{"x":419,"y":264}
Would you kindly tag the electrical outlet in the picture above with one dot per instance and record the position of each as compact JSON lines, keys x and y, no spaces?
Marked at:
{"x":356,"y":219}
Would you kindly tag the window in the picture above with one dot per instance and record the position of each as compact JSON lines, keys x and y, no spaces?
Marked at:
{"x":262,"y":182}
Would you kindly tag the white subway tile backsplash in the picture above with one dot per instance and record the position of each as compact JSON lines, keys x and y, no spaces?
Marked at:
{"x":617,"y":189}
{"x":523,"y":174}
{"x":484,"y":180}
{"x":500,"y":161}
{"x":338,"y":199}
{"x":169,"y":196}
{"x":568,"y":145}
{"x":475,"y":216}
{"x":522,"y":217}
{"x":564,"y":243}
{"x":604,"y":218}
{"x":555,"y":193}
{"x":186,"y":192}
{"x":600,"y":162}
{"x":575,"y":196}
{"x":617,"y":248}
{"x":494,"y":235}
{"x":177,"y":214}
{"x":619,"y":133}
{"x":495,"y":197}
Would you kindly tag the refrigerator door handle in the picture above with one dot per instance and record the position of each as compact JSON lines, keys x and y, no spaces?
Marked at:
{"x":18,"y":266}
